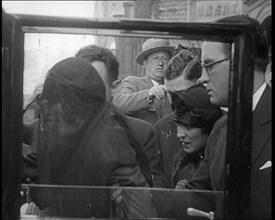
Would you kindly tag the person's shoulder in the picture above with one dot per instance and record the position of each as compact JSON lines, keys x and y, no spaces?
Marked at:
{"x":220,"y":124}
{"x":140,"y":126}
{"x":110,"y":128}
{"x":133,"y":79}
{"x":138,"y":121}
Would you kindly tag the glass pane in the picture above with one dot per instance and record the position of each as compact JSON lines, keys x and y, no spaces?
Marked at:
{"x":50,"y":45}
{"x":42,"y":51}
{"x":98,"y":202}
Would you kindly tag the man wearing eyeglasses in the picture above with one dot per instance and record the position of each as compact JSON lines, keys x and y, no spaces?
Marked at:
{"x":215,"y":77}
{"x":211,"y":173}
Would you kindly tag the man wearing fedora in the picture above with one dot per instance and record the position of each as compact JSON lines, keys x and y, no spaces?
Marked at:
{"x":145,"y":97}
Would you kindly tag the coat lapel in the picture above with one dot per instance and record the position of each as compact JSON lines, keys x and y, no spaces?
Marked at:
{"x":148,"y":82}
{"x":261,"y":123}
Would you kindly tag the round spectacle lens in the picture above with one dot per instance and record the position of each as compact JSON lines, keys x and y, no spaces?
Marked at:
{"x":208,"y":66}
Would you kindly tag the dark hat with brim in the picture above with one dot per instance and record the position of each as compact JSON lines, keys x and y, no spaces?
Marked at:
{"x":192,"y":107}
{"x":153,"y":45}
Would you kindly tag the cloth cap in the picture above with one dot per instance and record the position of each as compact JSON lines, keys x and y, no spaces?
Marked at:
{"x":192,"y":107}
{"x":152,"y":45}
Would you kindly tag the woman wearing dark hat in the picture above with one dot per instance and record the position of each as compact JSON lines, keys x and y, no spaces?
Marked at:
{"x":195,"y":116}
{"x":79,"y":142}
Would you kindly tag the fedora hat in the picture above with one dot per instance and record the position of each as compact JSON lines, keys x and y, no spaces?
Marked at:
{"x":152,"y":45}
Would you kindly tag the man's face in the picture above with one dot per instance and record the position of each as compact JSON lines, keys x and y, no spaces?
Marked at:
{"x":155,"y":63}
{"x":102,"y":71}
{"x":178,"y":84}
{"x":215,"y":77}
{"x":191,"y":138}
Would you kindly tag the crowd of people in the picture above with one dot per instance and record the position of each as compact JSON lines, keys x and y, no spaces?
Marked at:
{"x":164,"y":130}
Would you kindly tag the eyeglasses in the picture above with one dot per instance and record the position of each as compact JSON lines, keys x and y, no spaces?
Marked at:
{"x":208,"y":65}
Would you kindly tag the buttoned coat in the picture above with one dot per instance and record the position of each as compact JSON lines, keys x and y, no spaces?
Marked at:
{"x":131,"y":98}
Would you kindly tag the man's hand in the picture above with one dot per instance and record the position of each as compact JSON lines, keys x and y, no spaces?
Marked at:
{"x":181,"y":184}
{"x":157,"y":91}
{"x":116,"y":195}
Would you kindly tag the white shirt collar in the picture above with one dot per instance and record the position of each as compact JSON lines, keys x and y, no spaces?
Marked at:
{"x":154,"y":82}
{"x":257,"y":95}
{"x":224,"y":109}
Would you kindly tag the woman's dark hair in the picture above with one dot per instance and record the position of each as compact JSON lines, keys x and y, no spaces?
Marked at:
{"x":95,"y":53}
{"x":184,"y":58}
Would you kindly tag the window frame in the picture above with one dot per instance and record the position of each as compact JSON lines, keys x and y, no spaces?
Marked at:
{"x":240,"y":88}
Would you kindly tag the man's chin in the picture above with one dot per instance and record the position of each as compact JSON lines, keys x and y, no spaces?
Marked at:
{"x":217,"y":102}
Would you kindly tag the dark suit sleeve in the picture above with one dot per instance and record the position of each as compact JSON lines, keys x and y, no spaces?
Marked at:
{"x":145,"y":132}
{"x":129,"y":98}
{"x":168,"y":144}
{"x":211,"y":172}
{"x":156,"y":162}
{"x":201,"y":179}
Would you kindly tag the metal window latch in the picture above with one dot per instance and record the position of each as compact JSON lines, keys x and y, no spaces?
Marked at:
{"x":199,"y":213}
